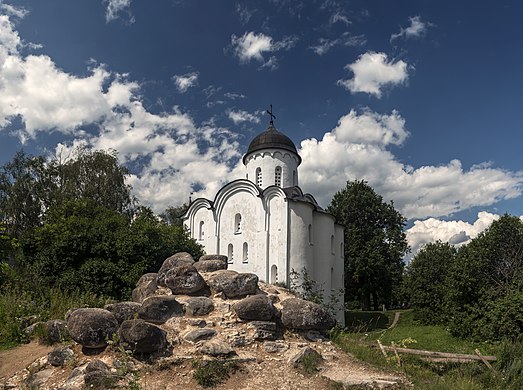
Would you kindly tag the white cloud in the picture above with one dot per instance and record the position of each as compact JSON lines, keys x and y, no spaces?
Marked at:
{"x":454,"y":232}
{"x":339,"y":17}
{"x":416,"y":29}
{"x":185,"y":81}
{"x":114,"y":8}
{"x":372,"y":72}
{"x":324,"y":45}
{"x":253,"y":46}
{"x":358,"y":149}
{"x":244,"y":13}
{"x":11,"y":10}
{"x":240,"y":116}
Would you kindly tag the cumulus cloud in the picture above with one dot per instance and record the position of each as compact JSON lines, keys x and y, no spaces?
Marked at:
{"x":240,"y":116}
{"x":185,"y":81}
{"x":11,"y":10}
{"x":115,"y":8}
{"x":454,"y":232}
{"x":358,"y":148}
{"x":324,"y":45}
{"x":252,"y":46}
{"x":372,"y":72}
{"x":416,"y":29}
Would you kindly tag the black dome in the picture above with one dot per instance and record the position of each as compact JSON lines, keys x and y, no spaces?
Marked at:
{"x":271,"y":139}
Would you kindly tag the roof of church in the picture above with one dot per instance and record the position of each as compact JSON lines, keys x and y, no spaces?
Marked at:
{"x":271,"y":139}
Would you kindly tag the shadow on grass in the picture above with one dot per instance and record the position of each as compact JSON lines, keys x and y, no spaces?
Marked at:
{"x":365,"y":321}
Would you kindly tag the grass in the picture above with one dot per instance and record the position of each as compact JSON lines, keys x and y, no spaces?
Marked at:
{"x":408,"y":333}
{"x":211,"y":373}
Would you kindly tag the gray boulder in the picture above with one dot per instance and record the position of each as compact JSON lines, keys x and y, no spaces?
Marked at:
{"x":210,"y":265}
{"x":233,"y":284}
{"x":216,"y":349}
{"x":222,"y":258}
{"x":184,"y":279}
{"x":304,"y":315}
{"x":59,"y":356}
{"x":198,"y":306}
{"x":144,"y":289}
{"x":142,"y":337}
{"x":200,"y":334}
{"x":176,"y":260}
{"x":255,"y":308}
{"x":146,"y":278}
{"x":123,"y":310}
{"x":98,"y":375}
{"x":264,"y":330}
{"x":305,"y":353}
{"x":159,"y":309}
{"x":55,"y":331}
{"x":92,"y":327}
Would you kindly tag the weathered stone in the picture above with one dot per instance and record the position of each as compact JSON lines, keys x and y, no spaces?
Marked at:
{"x":214,"y":257}
{"x":314,"y":335}
{"x":37,"y":379}
{"x":59,"y":356}
{"x":210,"y":265}
{"x":158,"y":309}
{"x":305,"y":352}
{"x":97,"y":374}
{"x":197,"y":322}
{"x":200,"y":334}
{"x":176,"y":260}
{"x":92,"y":327}
{"x":55,"y":331}
{"x":275,"y":346}
{"x":144,"y":290}
{"x":216,"y":349}
{"x":199,"y":306}
{"x":146,"y":278}
{"x":264,"y":330}
{"x":142,"y":337}
{"x":30,"y":330}
{"x":184,"y":279}
{"x":255,"y":308}
{"x":233,"y":284}
{"x":123,"y":310}
{"x":304,"y":315}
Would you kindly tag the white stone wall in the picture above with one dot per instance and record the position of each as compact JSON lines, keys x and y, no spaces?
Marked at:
{"x":267,"y":160}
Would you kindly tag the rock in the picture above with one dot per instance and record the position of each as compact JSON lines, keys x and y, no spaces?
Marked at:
{"x":92,"y":327}
{"x":256,"y":307}
{"x":305,"y":353}
{"x":37,"y":379}
{"x":97,"y":375}
{"x":55,"y":331}
{"x":304,"y":315}
{"x":264,"y":330}
{"x":176,"y":260}
{"x":184,"y":279}
{"x":146,"y":278}
{"x":75,"y":380}
{"x":216,"y":349}
{"x":200,"y":334}
{"x":222,"y":258}
{"x":123,"y":311}
{"x":30,"y":330}
{"x":210,"y":265}
{"x":233,"y":284}
{"x":144,"y":290}
{"x":314,"y":335}
{"x":274,"y":298}
{"x":59,"y":356}
{"x":158,"y":309}
{"x":142,"y":337}
{"x":275,"y":346}
{"x":198,"y":306}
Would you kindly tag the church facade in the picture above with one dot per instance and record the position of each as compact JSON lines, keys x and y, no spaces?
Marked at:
{"x":266,"y":225}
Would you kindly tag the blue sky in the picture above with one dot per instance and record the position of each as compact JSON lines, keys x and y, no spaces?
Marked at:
{"x":420,"y":98}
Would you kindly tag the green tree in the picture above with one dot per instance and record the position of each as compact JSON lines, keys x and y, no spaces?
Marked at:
{"x":425,"y":281}
{"x":173,"y":215}
{"x":375,"y":244}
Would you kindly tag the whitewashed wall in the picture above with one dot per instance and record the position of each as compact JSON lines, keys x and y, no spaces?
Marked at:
{"x":267,"y":160}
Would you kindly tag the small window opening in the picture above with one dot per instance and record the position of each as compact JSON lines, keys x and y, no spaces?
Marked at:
{"x":310,"y":235}
{"x":341,"y":250}
{"x":294,"y":178}
{"x":230,"y":254}
{"x":274,"y":274}
{"x":237,"y":223}
{"x":201,"y":233}
{"x":258,"y":177}
{"x":277,"y":176}
{"x":245,"y":252}
{"x":332,"y":244}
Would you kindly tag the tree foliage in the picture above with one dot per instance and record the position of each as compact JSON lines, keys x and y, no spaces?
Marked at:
{"x":375,"y":244}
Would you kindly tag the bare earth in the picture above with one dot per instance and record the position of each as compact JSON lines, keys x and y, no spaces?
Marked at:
{"x":16,"y":359}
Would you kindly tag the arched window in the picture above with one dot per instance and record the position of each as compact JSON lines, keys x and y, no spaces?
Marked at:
{"x":332,"y":244}
{"x":258,"y":177}
{"x":200,"y":231}
{"x":274,"y":274}
{"x":245,"y":252}
{"x":237,"y":223}
{"x":294,"y":178}
{"x":341,"y":251}
{"x":230,"y":253}
{"x":310,"y":235}
{"x":277,"y":176}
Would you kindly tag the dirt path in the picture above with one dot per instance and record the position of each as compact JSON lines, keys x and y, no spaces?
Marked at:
{"x":18,"y":358}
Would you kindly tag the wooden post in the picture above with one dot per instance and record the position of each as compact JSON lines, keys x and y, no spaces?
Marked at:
{"x":383,"y":350}
{"x":484,"y":360}
{"x":398,"y":360}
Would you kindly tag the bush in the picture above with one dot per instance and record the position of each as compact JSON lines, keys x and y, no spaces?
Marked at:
{"x":210,"y":373}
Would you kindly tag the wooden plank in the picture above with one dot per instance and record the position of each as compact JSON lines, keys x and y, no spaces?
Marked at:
{"x":382,"y":350}
{"x":395,"y":321}
{"x":484,"y":360}
{"x":398,"y":360}
{"x":440,"y":354}
{"x":447,"y":360}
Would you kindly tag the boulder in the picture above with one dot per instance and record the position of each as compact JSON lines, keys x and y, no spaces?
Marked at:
{"x":184,"y":279}
{"x":145,"y":289}
{"x":146,"y":278}
{"x":305,"y":353}
{"x":216,"y":349}
{"x":304,"y":315}
{"x":37,"y":379}
{"x":55,"y":331}
{"x":92,"y":327}
{"x":210,"y":265}
{"x":59,"y":356}
{"x":222,"y":258}
{"x":275,"y":346}
{"x":199,"y":334}
{"x":98,"y":375}
{"x":123,"y":311}
{"x":233,"y":284}
{"x":264,"y":330}
{"x":176,"y":260}
{"x":255,"y":308}
{"x":158,"y":309}
{"x":142,"y":337}
{"x":198,"y":306}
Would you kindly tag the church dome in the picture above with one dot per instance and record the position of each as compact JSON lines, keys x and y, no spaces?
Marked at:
{"x":271,"y":139}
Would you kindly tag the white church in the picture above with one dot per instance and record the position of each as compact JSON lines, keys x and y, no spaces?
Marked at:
{"x":266,"y":225}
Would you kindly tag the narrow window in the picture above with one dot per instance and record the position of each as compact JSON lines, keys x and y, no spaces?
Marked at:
{"x":332,"y":244}
{"x":230,"y":253}
{"x":341,"y":250}
{"x":237,"y":223}
{"x":294,"y":178}
{"x":258,"y":177}
{"x":245,"y":252}
{"x":277,"y":177}
{"x":200,"y":232}
{"x":274,"y":274}
{"x":310,"y":234}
